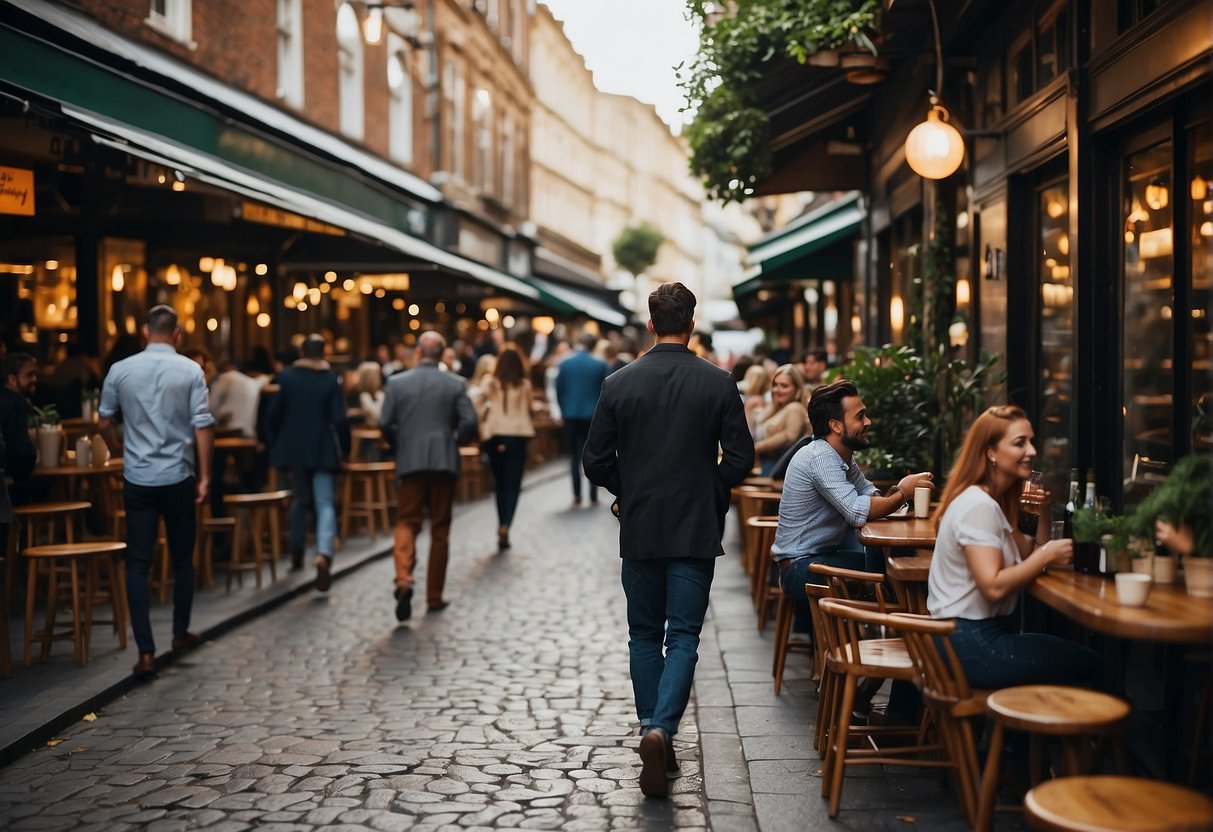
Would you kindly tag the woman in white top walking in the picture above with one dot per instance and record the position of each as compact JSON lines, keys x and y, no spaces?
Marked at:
{"x":982,"y":564}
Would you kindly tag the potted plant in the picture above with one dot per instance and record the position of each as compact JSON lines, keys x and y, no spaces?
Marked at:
{"x":90,"y":397}
{"x":49,"y":435}
{"x":1179,"y":513}
{"x":1089,"y":527}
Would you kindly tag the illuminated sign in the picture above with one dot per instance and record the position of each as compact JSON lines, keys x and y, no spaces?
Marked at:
{"x":16,"y":191}
{"x":264,"y":214}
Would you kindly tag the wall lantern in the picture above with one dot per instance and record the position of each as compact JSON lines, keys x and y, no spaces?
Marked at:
{"x":934,"y":148}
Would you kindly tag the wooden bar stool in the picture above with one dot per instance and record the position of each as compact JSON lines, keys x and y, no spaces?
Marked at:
{"x":1116,"y":804}
{"x":364,"y":496}
{"x":762,"y":592}
{"x":204,"y":554}
{"x":41,"y":519}
{"x":252,"y":513}
{"x":785,"y":613}
{"x":471,"y":474}
{"x":67,"y":557}
{"x":108,"y":580}
{"x":1074,"y":714}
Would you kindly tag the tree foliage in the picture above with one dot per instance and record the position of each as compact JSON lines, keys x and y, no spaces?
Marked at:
{"x":729,"y":135}
{"x":635,"y":249}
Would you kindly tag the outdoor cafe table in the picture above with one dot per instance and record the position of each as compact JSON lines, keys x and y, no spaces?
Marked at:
{"x":906,"y":532}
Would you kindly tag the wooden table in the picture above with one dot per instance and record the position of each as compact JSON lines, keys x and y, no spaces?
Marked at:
{"x":908,"y":532}
{"x":1170,"y":615}
{"x":913,"y":569}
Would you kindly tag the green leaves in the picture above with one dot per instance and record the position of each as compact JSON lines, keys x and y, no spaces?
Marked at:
{"x":635,"y":249}
{"x":728,"y":137}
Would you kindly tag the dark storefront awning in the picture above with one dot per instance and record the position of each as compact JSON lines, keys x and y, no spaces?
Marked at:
{"x":578,"y":300}
{"x":806,"y":248}
{"x":216,"y":172}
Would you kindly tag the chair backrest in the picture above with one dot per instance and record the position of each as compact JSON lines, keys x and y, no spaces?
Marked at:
{"x":837,"y":578}
{"x":844,"y":621}
{"x":947,"y":696}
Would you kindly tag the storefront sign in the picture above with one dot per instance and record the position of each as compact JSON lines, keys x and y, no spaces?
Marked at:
{"x":16,"y":191}
{"x":264,"y":214}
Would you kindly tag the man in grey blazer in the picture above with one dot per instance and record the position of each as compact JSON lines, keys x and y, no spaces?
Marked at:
{"x":669,"y":439}
{"x":426,"y":416}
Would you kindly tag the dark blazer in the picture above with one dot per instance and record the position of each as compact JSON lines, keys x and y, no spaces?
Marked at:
{"x":578,"y":385}
{"x":20,"y":454}
{"x":661,"y":424}
{"x":307,"y":418}
{"x":426,"y":416}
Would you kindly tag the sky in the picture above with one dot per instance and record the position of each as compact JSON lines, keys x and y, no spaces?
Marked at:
{"x":632,"y":46}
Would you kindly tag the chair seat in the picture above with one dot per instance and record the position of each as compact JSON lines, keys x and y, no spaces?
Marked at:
{"x":74,"y":550}
{"x":1051,"y":709}
{"x":261,"y":498}
{"x":886,"y":656}
{"x":1116,"y":804}
{"x":370,"y":467}
{"x":40,"y":509}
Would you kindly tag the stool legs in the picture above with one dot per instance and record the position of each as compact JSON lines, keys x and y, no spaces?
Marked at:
{"x":82,"y":610}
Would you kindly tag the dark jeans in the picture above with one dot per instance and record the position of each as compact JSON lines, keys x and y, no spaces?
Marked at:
{"x":507,"y":458}
{"x":576,"y":431}
{"x":667,"y":600}
{"x":145,"y":505}
{"x":995,"y":655}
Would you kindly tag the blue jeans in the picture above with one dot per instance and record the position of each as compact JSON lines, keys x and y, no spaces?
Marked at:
{"x":667,"y":600}
{"x":995,"y":655}
{"x":313,"y":491}
{"x":507,"y":459}
{"x":145,"y":505}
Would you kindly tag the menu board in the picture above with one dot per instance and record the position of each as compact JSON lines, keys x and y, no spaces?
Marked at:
{"x":16,"y":191}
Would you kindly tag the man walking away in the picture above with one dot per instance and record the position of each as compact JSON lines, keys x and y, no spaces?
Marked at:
{"x":426,"y":415}
{"x":578,"y":384}
{"x":167,"y":421}
{"x":661,"y":425}
{"x":311,"y":438}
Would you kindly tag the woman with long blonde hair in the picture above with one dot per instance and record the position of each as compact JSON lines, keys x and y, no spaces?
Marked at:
{"x":780,"y":425}
{"x":982,"y":563}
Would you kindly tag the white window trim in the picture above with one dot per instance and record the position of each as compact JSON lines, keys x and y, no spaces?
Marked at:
{"x":351,"y":81}
{"x":400,"y":105}
{"x":290,"y":52}
{"x":176,"y":22}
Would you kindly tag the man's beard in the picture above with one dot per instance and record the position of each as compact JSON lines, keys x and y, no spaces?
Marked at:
{"x":856,"y":441}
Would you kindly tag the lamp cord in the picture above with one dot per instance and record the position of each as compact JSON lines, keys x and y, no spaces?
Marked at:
{"x":938,"y":53}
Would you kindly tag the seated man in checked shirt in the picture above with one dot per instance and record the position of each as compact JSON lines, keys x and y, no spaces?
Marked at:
{"x":826,"y":498}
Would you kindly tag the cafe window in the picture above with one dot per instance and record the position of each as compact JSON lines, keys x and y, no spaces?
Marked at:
{"x":1149,"y":308}
{"x":1056,"y":379}
{"x":1040,"y":54}
{"x":290,"y":52}
{"x":1200,"y":269}
{"x":349,"y":91}
{"x":1131,"y":12}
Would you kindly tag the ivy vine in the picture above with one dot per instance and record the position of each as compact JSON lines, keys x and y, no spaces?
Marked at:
{"x":729,"y":135}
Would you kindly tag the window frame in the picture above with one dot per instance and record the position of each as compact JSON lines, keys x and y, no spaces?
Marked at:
{"x":175,"y":22}
{"x":289,"y":27}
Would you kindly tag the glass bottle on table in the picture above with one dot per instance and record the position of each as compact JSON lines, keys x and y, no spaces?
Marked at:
{"x":1071,"y":506}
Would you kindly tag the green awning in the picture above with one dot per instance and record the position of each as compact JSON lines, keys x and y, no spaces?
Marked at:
{"x":806,"y":249}
{"x":577,"y":301}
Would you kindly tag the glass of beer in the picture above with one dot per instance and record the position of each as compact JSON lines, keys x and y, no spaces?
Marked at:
{"x":1031,"y":499}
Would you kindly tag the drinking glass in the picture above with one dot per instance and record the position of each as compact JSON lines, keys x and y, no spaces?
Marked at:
{"x":1030,"y":501}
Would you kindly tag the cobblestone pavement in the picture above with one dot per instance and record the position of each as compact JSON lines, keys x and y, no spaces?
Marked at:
{"x":510,"y":709}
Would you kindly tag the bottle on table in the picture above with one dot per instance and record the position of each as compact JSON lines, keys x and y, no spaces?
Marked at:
{"x":1071,"y":506}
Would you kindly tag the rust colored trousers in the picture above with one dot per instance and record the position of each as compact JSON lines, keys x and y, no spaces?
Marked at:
{"x":417,"y":494}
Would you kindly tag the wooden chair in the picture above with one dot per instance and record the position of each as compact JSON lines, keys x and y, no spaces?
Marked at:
{"x":209,"y":527}
{"x":1114,"y":804}
{"x":253,"y":513}
{"x":365,"y":497}
{"x":753,"y":502}
{"x":910,"y":594}
{"x":1073,"y":714}
{"x":850,"y":657}
{"x":68,"y":558}
{"x":785,"y":611}
{"x":762,"y":528}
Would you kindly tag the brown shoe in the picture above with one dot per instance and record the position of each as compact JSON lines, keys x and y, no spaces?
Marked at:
{"x":653,"y":747}
{"x":145,"y":668}
{"x":186,"y":641}
{"x":436,"y":606}
{"x":324,"y":577}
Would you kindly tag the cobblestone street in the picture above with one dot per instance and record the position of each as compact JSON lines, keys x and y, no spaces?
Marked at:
{"x":511,"y":708}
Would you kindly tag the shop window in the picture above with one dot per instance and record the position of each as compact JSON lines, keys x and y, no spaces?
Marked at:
{"x":349,"y":88}
{"x":400,"y":109}
{"x":1019,"y":70}
{"x":454,"y":91}
{"x":507,"y":161}
{"x":1200,"y":190}
{"x":1131,"y":12}
{"x":172,"y":18}
{"x":1052,"y":44}
{"x":290,"y":52}
{"x":1056,"y":379}
{"x":1149,"y":304}
{"x":482,"y":119}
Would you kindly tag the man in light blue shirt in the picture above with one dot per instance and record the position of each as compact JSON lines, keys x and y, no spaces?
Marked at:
{"x":166,"y":417}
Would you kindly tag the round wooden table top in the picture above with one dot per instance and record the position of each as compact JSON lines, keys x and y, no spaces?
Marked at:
{"x":1056,"y":709}
{"x":74,"y":550}
{"x":258,"y":498}
{"x":61,"y":507}
{"x":912,"y":532}
{"x":370,"y":467}
{"x":113,"y":466}
{"x":1116,"y":804}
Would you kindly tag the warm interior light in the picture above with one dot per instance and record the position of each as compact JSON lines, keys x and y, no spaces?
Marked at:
{"x":1156,"y":195}
{"x":206,"y":264}
{"x":1206,"y":229}
{"x":1200,"y":188}
{"x":212,"y":324}
{"x":117,"y":279}
{"x":543,"y":325}
{"x":252,"y":307}
{"x":1055,"y":208}
{"x":414,"y":309}
{"x":51,"y":265}
{"x":261,"y":269}
{"x":299,"y":291}
{"x":372,"y":26}
{"x":934,"y":148}
{"x":263,"y":320}
{"x":172,"y":275}
{"x":897,"y":314}
{"x":1063,"y":245}
{"x":962,"y":292}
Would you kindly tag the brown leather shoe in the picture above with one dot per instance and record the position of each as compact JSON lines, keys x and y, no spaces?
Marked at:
{"x":186,"y":641}
{"x":145,"y":668}
{"x":324,"y":577}
{"x":653,"y":746}
{"x":436,"y":606}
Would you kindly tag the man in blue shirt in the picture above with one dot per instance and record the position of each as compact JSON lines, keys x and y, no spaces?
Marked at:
{"x":578,"y":384}
{"x":166,"y":417}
